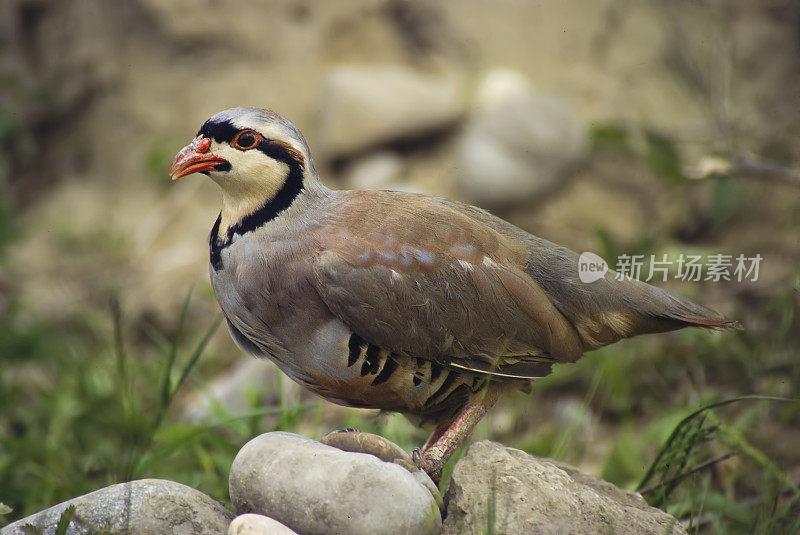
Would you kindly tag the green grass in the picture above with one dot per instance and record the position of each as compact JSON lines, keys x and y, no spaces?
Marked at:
{"x":81,"y":411}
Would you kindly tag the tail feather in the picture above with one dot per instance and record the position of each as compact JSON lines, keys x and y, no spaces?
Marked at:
{"x":626,"y":308}
{"x":693,"y":314}
{"x":613,"y":307}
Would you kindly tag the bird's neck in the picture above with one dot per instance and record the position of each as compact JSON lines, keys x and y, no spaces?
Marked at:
{"x":252,"y":201}
{"x":237,"y":208}
{"x":244,"y":211}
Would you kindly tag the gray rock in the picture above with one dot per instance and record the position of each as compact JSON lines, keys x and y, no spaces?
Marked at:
{"x":518,"y":146}
{"x":146,"y":506}
{"x":252,"y":524}
{"x":365,"y":106}
{"x":231,"y":391}
{"x":385,"y":450}
{"x":314,"y":488}
{"x":379,"y":170}
{"x":542,"y":496}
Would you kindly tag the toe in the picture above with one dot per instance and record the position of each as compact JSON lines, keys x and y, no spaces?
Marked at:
{"x":360,"y":442}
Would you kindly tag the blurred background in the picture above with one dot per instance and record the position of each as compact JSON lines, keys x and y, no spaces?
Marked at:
{"x":613,"y":126}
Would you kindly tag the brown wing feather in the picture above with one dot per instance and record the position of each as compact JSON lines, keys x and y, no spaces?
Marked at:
{"x":424,"y":280}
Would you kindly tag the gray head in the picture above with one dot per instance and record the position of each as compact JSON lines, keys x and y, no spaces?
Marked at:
{"x":256,"y":156}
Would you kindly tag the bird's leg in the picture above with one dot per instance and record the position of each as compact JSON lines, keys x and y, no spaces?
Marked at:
{"x":447,"y":438}
{"x":438,"y":432}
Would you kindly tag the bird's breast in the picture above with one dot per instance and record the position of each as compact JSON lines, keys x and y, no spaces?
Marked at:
{"x":263,"y":289}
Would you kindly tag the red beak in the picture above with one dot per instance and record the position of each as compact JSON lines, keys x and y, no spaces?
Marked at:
{"x":194,"y":158}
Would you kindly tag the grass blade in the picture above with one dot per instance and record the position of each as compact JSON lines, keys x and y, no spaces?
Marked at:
{"x":690,"y":432}
{"x":166,"y":379}
{"x":198,"y":351}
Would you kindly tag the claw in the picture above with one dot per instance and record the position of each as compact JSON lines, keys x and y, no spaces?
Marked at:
{"x":416,"y":457}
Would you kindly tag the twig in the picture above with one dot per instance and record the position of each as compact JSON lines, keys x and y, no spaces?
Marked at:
{"x":745,"y":167}
{"x":756,"y":168}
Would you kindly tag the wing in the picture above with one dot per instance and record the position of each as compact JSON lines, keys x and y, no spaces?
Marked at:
{"x":608,"y":309}
{"x":423,"y":279}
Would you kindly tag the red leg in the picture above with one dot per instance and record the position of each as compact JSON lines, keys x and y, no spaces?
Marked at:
{"x":447,"y":438}
{"x":438,"y":432}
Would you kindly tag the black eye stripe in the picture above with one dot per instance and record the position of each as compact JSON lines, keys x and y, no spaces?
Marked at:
{"x":226,"y":132}
{"x":221,"y":132}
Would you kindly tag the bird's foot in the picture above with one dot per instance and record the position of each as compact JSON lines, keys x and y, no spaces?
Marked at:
{"x":416,"y":457}
{"x":428,"y":464}
{"x":345,"y":430}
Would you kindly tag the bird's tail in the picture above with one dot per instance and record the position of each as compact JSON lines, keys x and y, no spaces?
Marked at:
{"x":627,"y":307}
{"x":613,"y":307}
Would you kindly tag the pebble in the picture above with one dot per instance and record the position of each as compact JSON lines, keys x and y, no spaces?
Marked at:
{"x":252,"y":524}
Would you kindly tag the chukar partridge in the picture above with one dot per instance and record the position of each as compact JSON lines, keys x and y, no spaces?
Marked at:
{"x":398,"y":301}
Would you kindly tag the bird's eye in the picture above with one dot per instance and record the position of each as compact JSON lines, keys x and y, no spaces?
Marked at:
{"x":246,"y":139}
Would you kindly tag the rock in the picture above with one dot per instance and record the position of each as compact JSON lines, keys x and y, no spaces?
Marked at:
{"x":379,"y":170}
{"x":366,"y":106}
{"x":146,"y":506}
{"x":518,"y":145}
{"x":315,"y":488}
{"x":232,"y":391}
{"x":542,"y":496}
{"x":500,"y":85}
{"x":252,"y":524}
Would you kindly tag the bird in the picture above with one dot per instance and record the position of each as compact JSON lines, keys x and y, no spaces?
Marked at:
{"x":399,"y":301}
